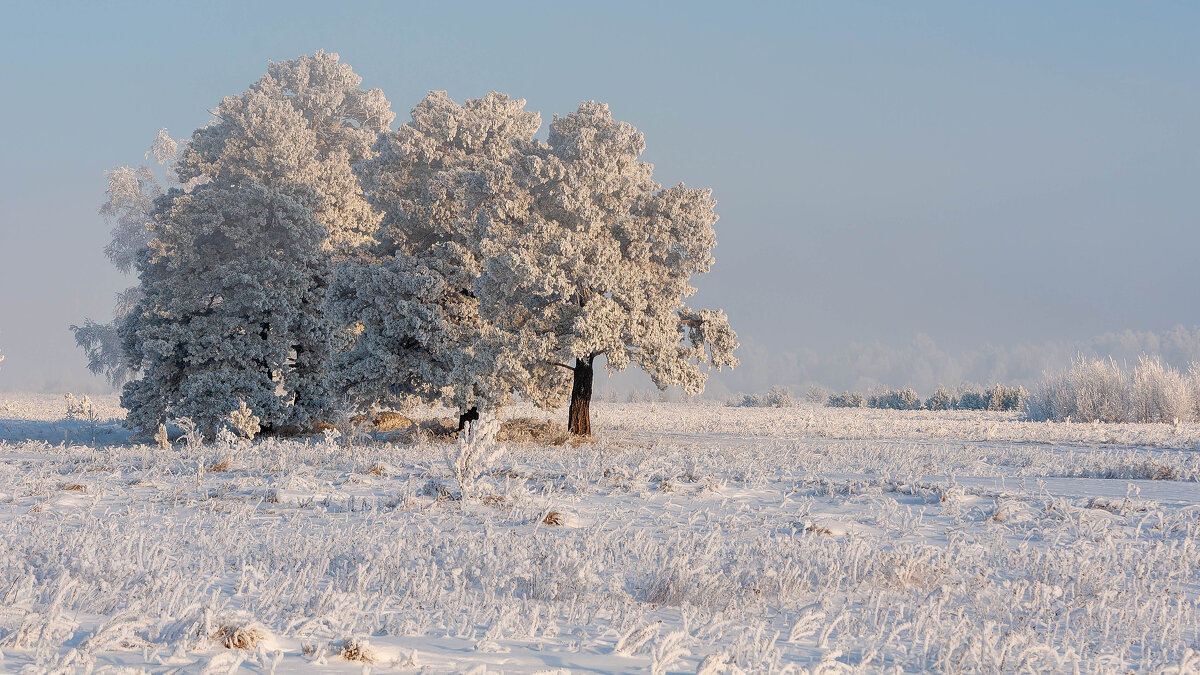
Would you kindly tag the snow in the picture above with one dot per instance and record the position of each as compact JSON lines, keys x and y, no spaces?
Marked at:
{"x":689,"y":537}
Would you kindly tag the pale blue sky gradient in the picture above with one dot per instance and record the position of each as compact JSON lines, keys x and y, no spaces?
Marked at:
{"x":977,"y":172}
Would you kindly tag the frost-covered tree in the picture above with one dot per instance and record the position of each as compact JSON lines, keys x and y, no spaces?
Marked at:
{"x":229,"y":309}
{"x":305,"y":122}
{"x":422,"y":337}
{"x":586,"y":256}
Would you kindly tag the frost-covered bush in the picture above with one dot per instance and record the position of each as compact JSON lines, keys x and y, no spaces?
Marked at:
{"x":243,"y":422}
{"x":941,"y":400}
{"x":1160,"y":393}
{"x":816,"y":395}
{"x":1002,"y":398}
{"x":477,"y":451}
{"x":775,"y":397}
{"x":902,"y":399}
{"x":970,"y":398}
{"x":847,"y":399}
{"x":80,"y":408}
{"x":1099,"y":390}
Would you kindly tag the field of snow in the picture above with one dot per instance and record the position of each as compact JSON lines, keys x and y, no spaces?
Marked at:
{"x":686,"y":538}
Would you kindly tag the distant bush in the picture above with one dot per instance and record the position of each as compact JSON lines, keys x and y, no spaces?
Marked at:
{"x":1099,"y":390}
{"x":816,"y":394}
{"x":970,"y":399}
{"x":941,"y":400}
{"x":775,"y":397}
{"x":846,"y":399}
{"x":1005,"y":398}
{"x":902,"y":399}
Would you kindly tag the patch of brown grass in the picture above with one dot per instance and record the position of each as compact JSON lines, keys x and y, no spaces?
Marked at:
{"x":492,"y":500}
{"x":239,"y":637}
{"x":392,"y":421}
{"x":431,"y":429}
{"x":354,"y":649}
{"x":225,"y":464}
{"x":378,"y":470}
{"x":75,"y":487}
{"x":554,"y":518}
{"x":532,"y":430}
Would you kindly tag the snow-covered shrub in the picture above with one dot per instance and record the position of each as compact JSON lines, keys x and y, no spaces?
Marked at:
{"x":816,"y":394}
{"x":775,"y":397}
{"x":243,"y":422}
{"x":846,"y":399}
{"x":941,"y":400}
{"x":1003,"y":398}
{"x":1098,"y":390}
{"x":477,"y":450}
{"x":970,"y":398}
{"x":902,"y":399}
{"x":80,"y":409}
{"x":1160,"y":394}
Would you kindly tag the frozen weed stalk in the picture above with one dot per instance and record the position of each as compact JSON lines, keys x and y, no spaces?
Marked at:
{"x":477,"y":451}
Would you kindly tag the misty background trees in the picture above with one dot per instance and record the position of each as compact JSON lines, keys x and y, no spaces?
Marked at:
{"x":307,"y":261}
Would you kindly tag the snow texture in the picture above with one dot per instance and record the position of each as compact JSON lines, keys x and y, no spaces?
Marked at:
{"x":688,"y":538}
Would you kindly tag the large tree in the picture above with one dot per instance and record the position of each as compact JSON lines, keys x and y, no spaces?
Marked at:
{"x":412,"y":293}
{"x":586,"y":256}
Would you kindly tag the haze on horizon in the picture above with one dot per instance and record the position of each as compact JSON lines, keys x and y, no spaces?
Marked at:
{"x":888,"y":177}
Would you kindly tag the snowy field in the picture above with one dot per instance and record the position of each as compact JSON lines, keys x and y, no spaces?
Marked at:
{"x":688,"y":537}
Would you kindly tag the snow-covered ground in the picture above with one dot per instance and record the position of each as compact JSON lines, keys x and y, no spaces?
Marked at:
{"x":688,"y":537}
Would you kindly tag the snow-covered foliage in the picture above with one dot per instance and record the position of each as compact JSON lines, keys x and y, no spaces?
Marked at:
{"x":303,"y":123}
{"x":941,"y":400}
{"x":775,"y":397}
{"x":587,"y":256}
{"x":129,"y":208}
{"x":899,"y":399}
{"x":477,"y":451}
{"x":413,"y":292}
{"x":231,"y":290}
{"x":1102,"y":390}
{"x":846,"y":399}
{"x":691,"y":538}
{"x":244,"y":422}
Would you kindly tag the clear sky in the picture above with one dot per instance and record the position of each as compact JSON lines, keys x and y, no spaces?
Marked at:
{"x":975,"y":172}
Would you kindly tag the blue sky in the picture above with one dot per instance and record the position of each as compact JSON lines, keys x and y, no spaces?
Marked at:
{"x":975,"y":172}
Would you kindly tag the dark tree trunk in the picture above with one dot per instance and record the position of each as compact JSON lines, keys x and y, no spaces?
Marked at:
{"x":579,"y":419}
{"x":471,"y":415}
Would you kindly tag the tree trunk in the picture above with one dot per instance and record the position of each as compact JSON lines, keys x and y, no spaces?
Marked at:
{"x":579,"y":420}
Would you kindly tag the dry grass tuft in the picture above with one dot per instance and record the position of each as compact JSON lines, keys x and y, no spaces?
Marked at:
{"x":379,"y":470}
{"x":432,"y":429}
{"x":247,"y":636}
{"x":392,"y":421}
{"x":554,"y":518}
{"x":354,"y":649}
{"x":225,"y":464}
{"x":532,"y":430}
{"x":75,"y":487}
{"x":492,"y":500}
{"x":818,"y":529}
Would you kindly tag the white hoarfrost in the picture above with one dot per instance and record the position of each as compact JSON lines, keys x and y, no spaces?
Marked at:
{"x":230,"y":310}
{"x":587,"y":256}
{"x":233,"y":284}
{"x":305,"y":122}
{"x":129,"y":208}
{"x":412,"y":294}
{"x":688,"y":538}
